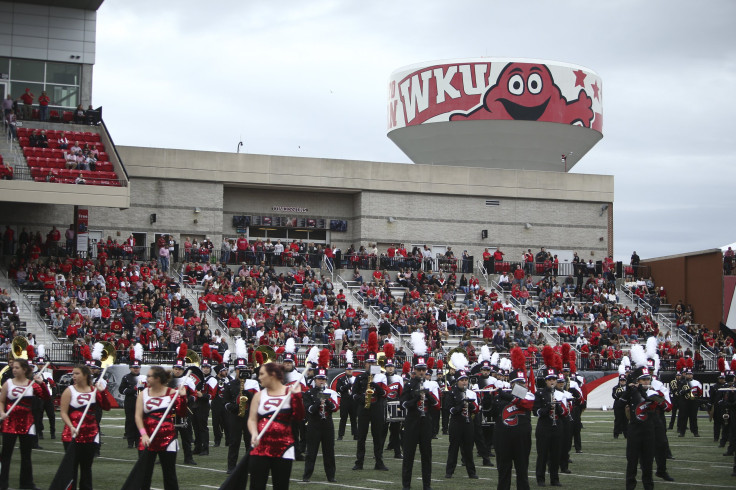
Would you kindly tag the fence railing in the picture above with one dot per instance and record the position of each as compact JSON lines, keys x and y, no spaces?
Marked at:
{"x":24,"y":173}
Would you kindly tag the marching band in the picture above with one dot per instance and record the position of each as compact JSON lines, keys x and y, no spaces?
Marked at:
{"x":488,"y":406}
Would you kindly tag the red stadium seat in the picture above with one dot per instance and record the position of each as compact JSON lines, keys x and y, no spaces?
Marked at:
{"x":35,"y":114}
{"x":103,"y":156}
{"x":68,"y":117}
{"x":95,"y":137}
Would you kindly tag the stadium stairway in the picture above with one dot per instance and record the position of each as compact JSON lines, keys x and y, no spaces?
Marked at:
{"x":666,"y":320}
{"x":29,"y":319}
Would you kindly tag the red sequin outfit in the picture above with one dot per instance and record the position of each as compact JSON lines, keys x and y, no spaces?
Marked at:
{"x":89,"y":430}
{"x":20,"y":420}
{"x":278,"y":441}
{"x":153,"y":409}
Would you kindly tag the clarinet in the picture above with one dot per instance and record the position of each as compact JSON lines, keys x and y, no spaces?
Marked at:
{"x":322,"y":400}
{"x":422,"y":396}
{"x":552,"y":411}
{"x":466,"y":413}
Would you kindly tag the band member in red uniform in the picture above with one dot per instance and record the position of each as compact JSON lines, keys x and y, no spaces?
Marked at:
{"x":74,"y":401}
{"x":150,"y":407}
{"x":275,"y":452}
{"x":18,"y":424}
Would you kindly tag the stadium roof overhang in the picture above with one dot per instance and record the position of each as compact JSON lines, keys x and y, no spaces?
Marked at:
{"x":71,"y":4}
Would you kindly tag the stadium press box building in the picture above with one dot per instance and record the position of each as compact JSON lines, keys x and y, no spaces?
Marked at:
{"x":492,"y":142}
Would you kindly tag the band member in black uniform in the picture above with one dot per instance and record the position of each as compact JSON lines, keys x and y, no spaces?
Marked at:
{"x":692,"y":392}
{"x":659,"y":393}
{"x":728,"y":414}
{"x":548,"y":431}
{"x":513,"y":431}
{"x":417,"y":401}
{"x":620,"y":424}
{"x":201,"y":409}
{"x":130,"y":386}
{"x":394,"y":386}
{"x":46,"y":407}
{"x":237,"y":396}
{"x":292,"y":374}
{"x":565,"y":422}
{"x":485,"y":390}
{"x":347,"y":405}
{"x":184,"y":424}
{"x":463,"y":408}
{"x":369,"y":392}
{"x":319,"y":403}
{"x":640,"y":411}
{"x":578,"y":402}
{"x":716,"y":410}
{"x":445,"y":394}
{"x":675,"y":385}
{"x":220,"y":422}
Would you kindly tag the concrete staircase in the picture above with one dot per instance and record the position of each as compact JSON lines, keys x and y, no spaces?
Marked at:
{"x":28,"y":311}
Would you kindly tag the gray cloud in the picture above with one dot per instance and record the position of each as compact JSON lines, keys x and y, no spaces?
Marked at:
{"x":309,"y":79}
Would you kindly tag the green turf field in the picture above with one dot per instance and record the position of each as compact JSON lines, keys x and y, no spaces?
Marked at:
{"x":698,"y":463}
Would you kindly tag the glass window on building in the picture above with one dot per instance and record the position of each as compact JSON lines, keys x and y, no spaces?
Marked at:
{"x":63,"y":73}
{"x":63,"y":95}
{"x":18,"y":88}
{"x":4,"y":66}
{"x":27,"y":70}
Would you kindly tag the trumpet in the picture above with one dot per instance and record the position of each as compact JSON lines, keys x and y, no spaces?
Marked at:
{"x":369,"y":392}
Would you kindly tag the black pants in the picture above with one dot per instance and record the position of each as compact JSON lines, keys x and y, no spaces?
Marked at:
{"x":620,"y":424}
{"x":168,"y":468}
{"x":445,"y":411}
{"x":394,"y":436}
{"x":185,"y":437}
{"x":220,"y":422}
{"x":320,"y":433}
{"x":131,"y":430}
{"x":373,"y":417}
{"x":640,"y":451}
{"x":513,"y":447}
{"x":462,"y":434}
{"x":675,"y":408}
{"x":201,"y":430}
{"x":261,"y":466}
{"x":565,"y":442}
{"x":85,"y":455}
{"x":548,"y":440}
{"x":46,"y":407}
{"x":417,"y":432}
{"x":238,"y":432}
{"x":479,"y":437}
{"x":347,"y":410}
{"x":661,"y":443}
{"x":576,"y":426}
{"x":688,"y":413}
{"x":26,"y":467}
{"x":298,"y":431}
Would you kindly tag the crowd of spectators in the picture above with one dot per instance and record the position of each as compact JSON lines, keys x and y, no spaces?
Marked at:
{"x":122,"y":302}
{"x":6,"y":171}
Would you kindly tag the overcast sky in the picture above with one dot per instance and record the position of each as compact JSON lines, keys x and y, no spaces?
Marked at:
{"x":308,"y":78}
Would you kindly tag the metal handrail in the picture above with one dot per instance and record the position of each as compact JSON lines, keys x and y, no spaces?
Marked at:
{"x":663,"y":320}
{"x":114,"y":148}
{"x":212,"y":317}
{"x":24,"y":173}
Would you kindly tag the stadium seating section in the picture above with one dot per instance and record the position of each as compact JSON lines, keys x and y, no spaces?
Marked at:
{"x":43,"y":161}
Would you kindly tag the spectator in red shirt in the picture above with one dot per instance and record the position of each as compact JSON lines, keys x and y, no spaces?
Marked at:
{"x":43,"y":106}
{"x":27,"y":107}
